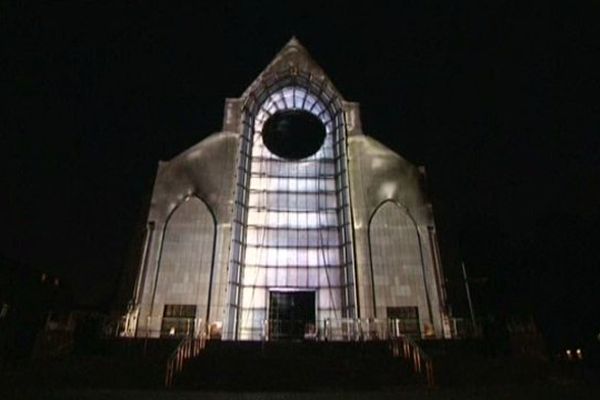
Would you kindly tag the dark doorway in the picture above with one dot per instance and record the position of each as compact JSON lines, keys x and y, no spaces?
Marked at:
{"x":291,"y":315}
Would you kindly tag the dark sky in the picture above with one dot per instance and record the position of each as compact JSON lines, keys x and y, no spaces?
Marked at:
{"x":499,"y":101}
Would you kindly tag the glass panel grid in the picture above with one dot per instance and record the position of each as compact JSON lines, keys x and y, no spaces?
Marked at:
{"x":292,"y":222}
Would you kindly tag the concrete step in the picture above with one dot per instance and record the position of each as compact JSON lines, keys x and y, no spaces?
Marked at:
{"x":257,"y":366}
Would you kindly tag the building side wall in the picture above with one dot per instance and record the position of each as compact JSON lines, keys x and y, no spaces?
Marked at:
{"x":205,"y":171}
{"x":379,"y":175}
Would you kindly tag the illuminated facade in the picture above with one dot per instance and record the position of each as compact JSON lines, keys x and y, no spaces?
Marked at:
{"x":289,"y":222}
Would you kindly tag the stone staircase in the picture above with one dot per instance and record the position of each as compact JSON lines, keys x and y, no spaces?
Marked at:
{"x":297,"y":366}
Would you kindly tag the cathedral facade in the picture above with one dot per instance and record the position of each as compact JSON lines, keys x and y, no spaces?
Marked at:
{"x":289,"y":222}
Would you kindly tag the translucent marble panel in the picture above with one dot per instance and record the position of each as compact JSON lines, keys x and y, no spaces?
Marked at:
{"x":292,"y":220}
{"x":292,"y":228}
{"x":289,"y":257}
{"x":301,"y":238}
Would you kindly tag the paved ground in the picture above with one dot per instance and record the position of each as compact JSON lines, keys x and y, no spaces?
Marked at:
{"x":558,"y":391}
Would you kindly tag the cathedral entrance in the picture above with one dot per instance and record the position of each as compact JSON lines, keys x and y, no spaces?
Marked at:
{"x":291,"y":314}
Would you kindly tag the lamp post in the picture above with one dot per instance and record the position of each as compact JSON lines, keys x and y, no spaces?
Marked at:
{"x":468,"y":290}
{"x":467,"y":282}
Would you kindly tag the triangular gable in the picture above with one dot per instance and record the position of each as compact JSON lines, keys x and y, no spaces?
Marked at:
{"x":292,"y":57}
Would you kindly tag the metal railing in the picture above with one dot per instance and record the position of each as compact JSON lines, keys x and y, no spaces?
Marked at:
{"x":401,"y":345}
{"x":350,"y":329}
{"x":339,"y":329}
{"x":188,"y":348}
{"x":422,"y":364}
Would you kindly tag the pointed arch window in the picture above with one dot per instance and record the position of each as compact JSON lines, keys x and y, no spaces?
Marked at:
{"x":293,"y":229}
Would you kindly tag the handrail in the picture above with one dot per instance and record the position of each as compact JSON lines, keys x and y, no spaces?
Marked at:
{"x":189,"y":347}
{"x":371,"y":329}
{"x":341,"y":329}
{"x":405,"y":347}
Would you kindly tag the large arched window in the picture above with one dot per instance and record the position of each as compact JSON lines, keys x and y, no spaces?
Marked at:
{"x":292,"y":233}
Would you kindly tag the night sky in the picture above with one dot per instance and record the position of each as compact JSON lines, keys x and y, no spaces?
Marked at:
{"x":500,"y":102}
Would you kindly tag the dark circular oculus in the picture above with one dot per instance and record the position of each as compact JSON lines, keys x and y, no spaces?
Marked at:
{"x":293,"y":134}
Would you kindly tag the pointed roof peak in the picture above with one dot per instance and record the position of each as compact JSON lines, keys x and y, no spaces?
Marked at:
{"x":293,"y":56}
{"x":293,"y":42}
{"x":293,"y":52}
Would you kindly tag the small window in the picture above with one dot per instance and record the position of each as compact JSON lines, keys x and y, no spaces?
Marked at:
{"x":404,"y":320}
{"x":178,"y":320}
